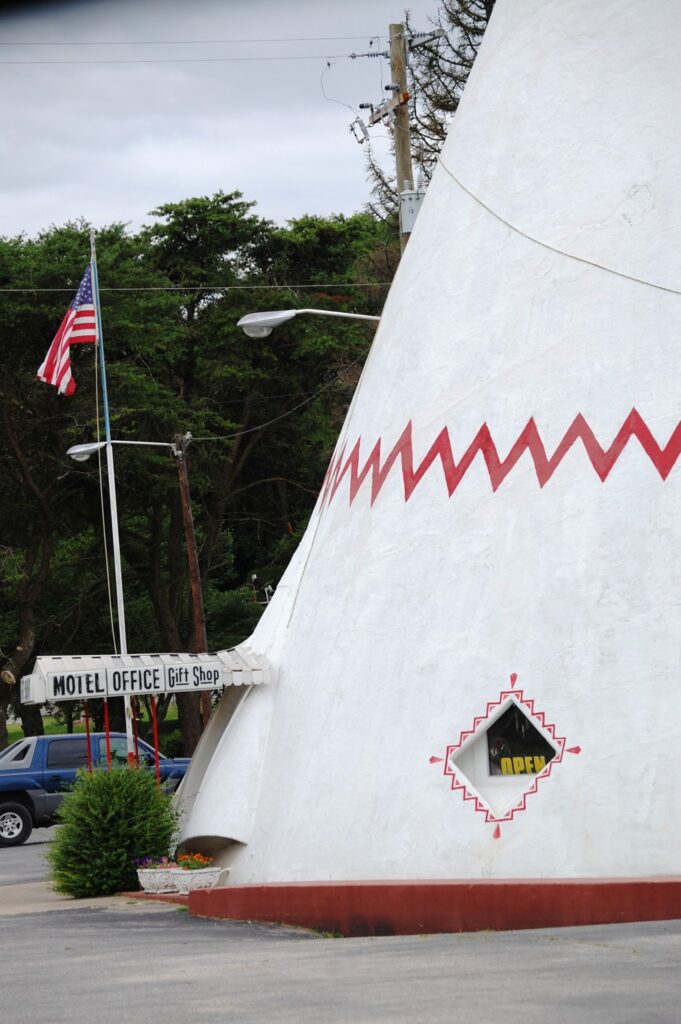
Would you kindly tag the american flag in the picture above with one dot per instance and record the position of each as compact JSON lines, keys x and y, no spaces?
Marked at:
{"x":79,"y":327}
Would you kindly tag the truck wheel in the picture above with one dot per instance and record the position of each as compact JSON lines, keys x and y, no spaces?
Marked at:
{"x":15,"y":824}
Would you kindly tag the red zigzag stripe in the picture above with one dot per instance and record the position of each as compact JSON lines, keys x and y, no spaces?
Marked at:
{"x":602,"y":459}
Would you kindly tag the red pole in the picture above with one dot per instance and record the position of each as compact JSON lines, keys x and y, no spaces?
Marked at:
{"x":87,"y":733}
{"x":107,"y":735}
{"x":155,"y":727}
{"x":133,"y":704}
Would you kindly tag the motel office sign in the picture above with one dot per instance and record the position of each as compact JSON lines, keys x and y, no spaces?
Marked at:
{"x":84,"y":678}
{"x":132,"y":682}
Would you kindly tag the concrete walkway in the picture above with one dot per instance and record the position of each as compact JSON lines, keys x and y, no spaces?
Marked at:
{"x":38,"y":898}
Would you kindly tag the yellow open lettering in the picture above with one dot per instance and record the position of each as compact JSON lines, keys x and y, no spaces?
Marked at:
{"x":531,"y":764}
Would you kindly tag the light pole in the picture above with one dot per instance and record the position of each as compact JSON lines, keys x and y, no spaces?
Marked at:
{"x":80,"y":453}
{"x":259,"y":325}
{"x":177,"y":448}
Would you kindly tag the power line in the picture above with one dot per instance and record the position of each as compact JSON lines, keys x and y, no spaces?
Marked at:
{"x":261,"y":426}
{"x":195,"y":42}
{"x":217,"y":287}
{"x":182,"y":60}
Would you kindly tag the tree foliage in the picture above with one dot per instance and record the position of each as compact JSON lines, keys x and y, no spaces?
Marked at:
{"x":264,"y":416}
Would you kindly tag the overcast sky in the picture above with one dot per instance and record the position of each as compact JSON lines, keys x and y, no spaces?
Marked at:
{"x":109,"y":138}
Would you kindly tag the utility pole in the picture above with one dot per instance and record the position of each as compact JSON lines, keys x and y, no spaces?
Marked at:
{"x":199,"y":625}
{"x":396,"y":110}
{"x":398,"y":77}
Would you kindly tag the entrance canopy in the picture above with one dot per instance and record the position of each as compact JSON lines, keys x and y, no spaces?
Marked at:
{"x":83,"y":677}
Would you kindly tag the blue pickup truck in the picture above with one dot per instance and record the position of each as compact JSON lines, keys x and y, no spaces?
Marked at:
{"x":36,"y":772}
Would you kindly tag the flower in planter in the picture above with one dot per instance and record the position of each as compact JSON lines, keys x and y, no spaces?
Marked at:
{"x":155,"y":874}
{"x":154,"y":863}
{"x":193,"y":861}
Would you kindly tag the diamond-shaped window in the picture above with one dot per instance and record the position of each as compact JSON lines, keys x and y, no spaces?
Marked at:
{"x":502,"y":758}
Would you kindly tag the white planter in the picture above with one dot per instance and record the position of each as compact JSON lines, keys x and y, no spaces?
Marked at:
{"x":202,"y":878}
{"x":206,"y":878}
{"x":179,"y":879}
{"x":157,"y":879}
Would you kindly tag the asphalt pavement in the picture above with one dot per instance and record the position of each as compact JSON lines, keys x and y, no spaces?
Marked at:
{"x":25,"y":863}
{"x":121,"y":960}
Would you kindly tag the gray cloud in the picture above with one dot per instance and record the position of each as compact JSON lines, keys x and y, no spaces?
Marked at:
{"x":110,"y":141}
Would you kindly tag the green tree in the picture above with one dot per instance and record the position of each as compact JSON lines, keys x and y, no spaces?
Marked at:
{"x":171,"y":295}
{"x":53,"y":554}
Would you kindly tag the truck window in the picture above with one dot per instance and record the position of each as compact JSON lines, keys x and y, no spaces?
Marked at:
{"x":5,"y":754}
{"x":67,"y":753}
{"x":119,"y":749}
{"x":19,"y":755}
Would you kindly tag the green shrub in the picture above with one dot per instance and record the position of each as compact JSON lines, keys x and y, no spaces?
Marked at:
{"x":109,"y":820}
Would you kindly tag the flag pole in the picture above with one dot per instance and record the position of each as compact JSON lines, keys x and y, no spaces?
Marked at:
{"x":118,"y":572}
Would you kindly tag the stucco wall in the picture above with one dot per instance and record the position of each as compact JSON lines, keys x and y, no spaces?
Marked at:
{"x":400,"y":621}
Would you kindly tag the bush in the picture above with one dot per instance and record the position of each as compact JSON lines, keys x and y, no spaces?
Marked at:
{"x":108,"y":820}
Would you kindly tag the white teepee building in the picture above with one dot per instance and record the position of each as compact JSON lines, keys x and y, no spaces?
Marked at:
{"x":476,"y":650}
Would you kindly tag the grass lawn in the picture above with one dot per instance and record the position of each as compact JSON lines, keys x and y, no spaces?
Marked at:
{"x":50,"y":725}
{"x":167,"y":728}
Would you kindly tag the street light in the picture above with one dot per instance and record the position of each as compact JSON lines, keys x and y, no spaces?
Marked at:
{"x":177,"y":448}
{"x":82,"y":452}
{"x":259,"y":325}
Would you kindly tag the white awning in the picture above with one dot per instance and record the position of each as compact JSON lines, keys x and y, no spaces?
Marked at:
{"x":83,"y":677}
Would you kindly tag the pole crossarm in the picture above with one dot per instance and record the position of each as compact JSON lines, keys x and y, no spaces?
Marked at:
{"x":417,"y":39}
{"x":389,"y":105}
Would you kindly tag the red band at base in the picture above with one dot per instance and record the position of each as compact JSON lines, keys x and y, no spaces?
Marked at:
{"x":412,"y":908}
